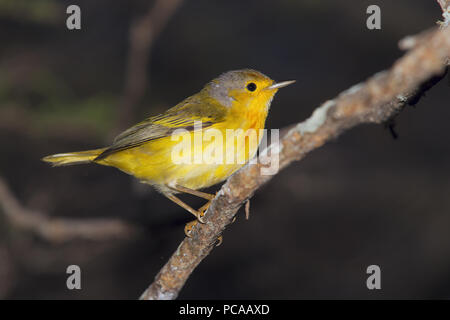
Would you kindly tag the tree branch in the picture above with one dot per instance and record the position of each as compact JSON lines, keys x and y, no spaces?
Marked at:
{"x":375,"y":101}
{"x":59,"y":230}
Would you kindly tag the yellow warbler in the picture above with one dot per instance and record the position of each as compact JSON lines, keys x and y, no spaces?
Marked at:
{"x":237,"y":100}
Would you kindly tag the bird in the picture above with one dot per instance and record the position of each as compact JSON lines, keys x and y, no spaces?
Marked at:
{"x":237,"y":101}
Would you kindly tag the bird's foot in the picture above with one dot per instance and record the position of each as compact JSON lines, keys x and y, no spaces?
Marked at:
{"x":190,"y":225}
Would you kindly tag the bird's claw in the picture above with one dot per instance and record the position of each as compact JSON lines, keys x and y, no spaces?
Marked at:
{"x":200,"y":218}
{"x":188,"y":228}
{"x":201,"y":213}
{"x":219,"y":240}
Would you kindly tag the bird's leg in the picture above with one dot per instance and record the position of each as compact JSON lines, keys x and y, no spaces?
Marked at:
{"x":205,"y":207}
{"x":196,"y":213}
{"x":197,"y":193}
{"x":188,"y":227}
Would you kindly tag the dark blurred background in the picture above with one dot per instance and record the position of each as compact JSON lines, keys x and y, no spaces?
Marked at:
{"x":363,"y":199}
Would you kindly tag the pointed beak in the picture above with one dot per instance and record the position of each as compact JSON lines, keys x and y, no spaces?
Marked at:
{"x":279,"y":85}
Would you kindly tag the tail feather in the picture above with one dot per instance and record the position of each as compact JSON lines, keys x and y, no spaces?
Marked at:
{"x":67,"y":159}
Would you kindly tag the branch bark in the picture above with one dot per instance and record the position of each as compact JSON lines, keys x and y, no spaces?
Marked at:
{"x":143,"y":32}
{"x":376,"y":100}
{"x":58,"y":230}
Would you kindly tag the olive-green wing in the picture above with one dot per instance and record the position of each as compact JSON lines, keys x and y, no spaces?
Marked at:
{"x":183,"y":116}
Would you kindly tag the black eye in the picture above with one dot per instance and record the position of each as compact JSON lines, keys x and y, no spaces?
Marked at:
{"x":251,"y":86}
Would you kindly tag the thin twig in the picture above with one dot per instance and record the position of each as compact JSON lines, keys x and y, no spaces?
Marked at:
{"x":247,"y":209}
{"x":445,"y":6}
{"x":144,"y":31}
{"x":58,"y":230}
{"x":375,"y":101}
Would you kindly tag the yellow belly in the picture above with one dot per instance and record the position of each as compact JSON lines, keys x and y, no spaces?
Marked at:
{"x":182,"y":160}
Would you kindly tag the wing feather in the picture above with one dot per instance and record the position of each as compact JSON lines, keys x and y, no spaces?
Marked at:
{"x":182,"y":116}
